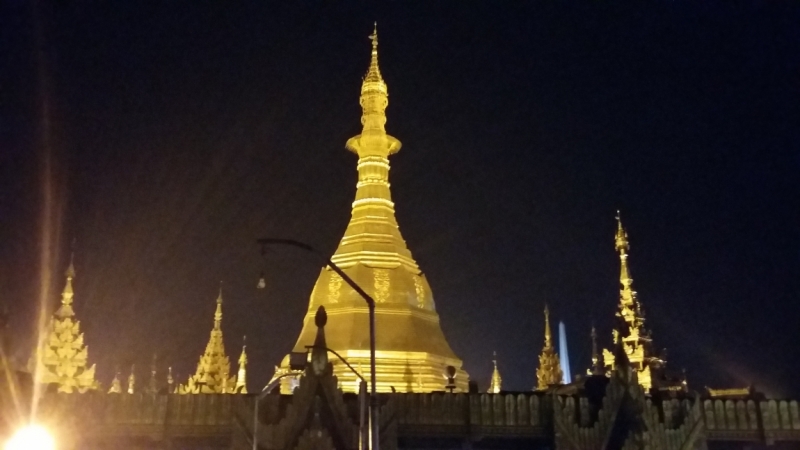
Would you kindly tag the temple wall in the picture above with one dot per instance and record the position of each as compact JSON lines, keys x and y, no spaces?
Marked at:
{"x":101,"y":421}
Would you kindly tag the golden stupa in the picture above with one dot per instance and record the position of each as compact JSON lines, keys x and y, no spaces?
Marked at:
{"x":412,"y":353}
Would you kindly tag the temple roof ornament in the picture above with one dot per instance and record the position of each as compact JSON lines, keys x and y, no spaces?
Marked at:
{"x":62,"y":357}
{"x":630,"y":332}
{"x":374,"y":254}
{"x":213,"y":369}
{"x":496,"y":385}
{"x":549,"y":371}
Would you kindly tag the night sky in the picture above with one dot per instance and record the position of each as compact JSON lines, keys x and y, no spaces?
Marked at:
{"x":182,"y":132}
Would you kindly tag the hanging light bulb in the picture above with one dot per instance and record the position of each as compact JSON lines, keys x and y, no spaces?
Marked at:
{"x":262,"y":282}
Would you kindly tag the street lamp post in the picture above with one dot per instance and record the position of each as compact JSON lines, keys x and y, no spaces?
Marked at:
{"x":373,"y":403}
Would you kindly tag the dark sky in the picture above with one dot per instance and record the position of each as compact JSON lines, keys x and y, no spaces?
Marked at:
{"x":181,"y":132}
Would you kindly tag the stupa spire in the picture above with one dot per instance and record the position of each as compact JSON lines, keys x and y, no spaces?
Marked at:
{"x":374,"y":254}
{"x":497,"y":381}
{"x":627,"y":296}
{"x":213,"y":369}
{"x":63,"y":357}
{"x":630,"y":332}
{"x":549,"y":372}
{"x":68,"y":294}
{"x":241,"y":376}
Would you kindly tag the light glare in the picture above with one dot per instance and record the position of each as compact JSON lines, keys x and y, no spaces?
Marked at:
{"x":32,"y":437}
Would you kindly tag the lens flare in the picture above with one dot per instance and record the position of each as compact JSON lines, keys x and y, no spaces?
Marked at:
{"x":32,"y":437}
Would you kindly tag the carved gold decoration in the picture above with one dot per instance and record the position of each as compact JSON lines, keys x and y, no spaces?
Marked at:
{"x":334,"y":288}
{"x":62,"y":357}
{"x":375,"y":255}
{"x":382,"y":285}
{"x":419,"y":289}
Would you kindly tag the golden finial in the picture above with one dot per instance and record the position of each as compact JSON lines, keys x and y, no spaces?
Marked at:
{"x":621,"y":238}
{"x":218,"y":312}
{"x":71,"y":269}
{"x":496,"y":384}
{"x":170,"y":379}
{"x":549,"y":371}
{"x":67,"y":295}
{"x":373,"y":81}
{"x":547,"y":334}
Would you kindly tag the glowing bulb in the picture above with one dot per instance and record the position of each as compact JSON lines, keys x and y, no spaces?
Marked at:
{"x":32,"y":437}
{"x":262,"y":282}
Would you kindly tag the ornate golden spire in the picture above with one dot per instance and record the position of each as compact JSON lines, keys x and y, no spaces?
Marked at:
{"x":213,"y":369}
{"x":496,"y":385}
{"x":374,"y":254}
{"x":63,"y":357}
{"x":627,"y":295}
{"x":241,"y":377}
{"x":373,"y":81}
{"x":635,"y":338}
{"x":549,"y":371}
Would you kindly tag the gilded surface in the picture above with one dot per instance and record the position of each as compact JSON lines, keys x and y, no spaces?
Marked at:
{"x":410,"y":342}
{"x":63,"y":357}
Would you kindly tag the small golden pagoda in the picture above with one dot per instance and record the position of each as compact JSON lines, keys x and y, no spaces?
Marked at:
{"x":496,"y":385}
{"x":412,"y":352}
{"x":241,"y":377}
{"x":549,"y":371}
{"x":116,"y":384}
{"x":63,"y":357}
{"x":636,"y":339}
{"x":214,"y":368}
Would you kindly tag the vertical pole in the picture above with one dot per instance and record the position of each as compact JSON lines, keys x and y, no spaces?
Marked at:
{"x":363,"y":436}
{"x":374,"y":397}
{"x":255,"y":423}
